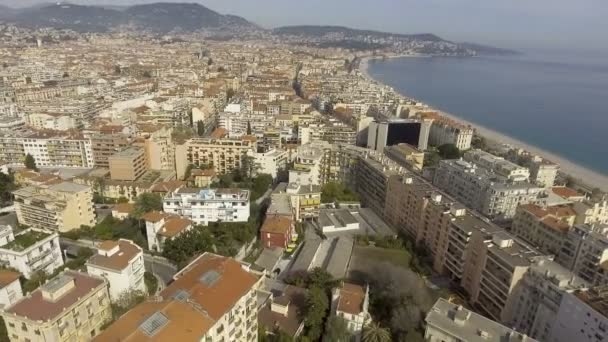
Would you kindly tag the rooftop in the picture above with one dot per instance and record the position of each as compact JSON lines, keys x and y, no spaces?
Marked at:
{"x":351,"y":299}
{"x":26,"y":239}
{"x":292,"y":296}
{"x":276,"y":224}
{"x":119,"y":259}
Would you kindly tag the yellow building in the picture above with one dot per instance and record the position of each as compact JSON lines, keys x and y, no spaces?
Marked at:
{"x":128,"y":165}
{"x":59,"y":207}
{"x":73,"y":306}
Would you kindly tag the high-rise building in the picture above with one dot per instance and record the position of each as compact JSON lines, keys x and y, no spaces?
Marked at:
{"x":128,"y":164}
{"x":582,"y":316}
{"x":389,"y":132}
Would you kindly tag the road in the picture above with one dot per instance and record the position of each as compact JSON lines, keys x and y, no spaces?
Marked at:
{"x":264,"y":196}
{"x":163,"y":269}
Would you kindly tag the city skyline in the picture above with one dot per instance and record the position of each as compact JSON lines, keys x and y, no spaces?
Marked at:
{"x":544,"y":24}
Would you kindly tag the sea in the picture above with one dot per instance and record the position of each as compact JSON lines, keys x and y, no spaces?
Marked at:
{"x":556,"y":101}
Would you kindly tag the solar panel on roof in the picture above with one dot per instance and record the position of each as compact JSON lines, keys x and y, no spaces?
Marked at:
{"x":209,"y":278}
{"x":153,"y":324}
{"x":181,"y":295}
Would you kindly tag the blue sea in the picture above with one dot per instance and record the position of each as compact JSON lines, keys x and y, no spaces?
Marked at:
{"x":557,"y":102}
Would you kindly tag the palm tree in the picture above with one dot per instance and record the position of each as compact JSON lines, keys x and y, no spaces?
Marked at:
{"x":373,"y":332}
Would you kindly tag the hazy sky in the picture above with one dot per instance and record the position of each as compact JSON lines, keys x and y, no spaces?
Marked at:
{"x":509,"y":23}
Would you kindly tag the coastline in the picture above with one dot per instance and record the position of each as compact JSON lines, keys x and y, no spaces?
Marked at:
{"x":587,"y":176}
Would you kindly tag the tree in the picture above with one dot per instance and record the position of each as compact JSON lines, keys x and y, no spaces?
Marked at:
{"x":147,"y":202}
{"x":248,"y":128}
{"x":3,"y":333}
{"x":336,"y":330}
{"x":479,"y":142}
{"x":315,"y":311}
{"x":210,"y":61}
{"x":431,"y":158}
{"x":334,"y":191}
{"x":373,"y":332}
{"x":229,"y":93}
{"x":100,"y":187}
{"x":449,"y":151}
{"x":7,"y":186}
{"x":200,"y":128}
{"x":147,"y":74}
{"x":248,"y":167}
{"x":151,"y":283}
{"x":126,"y":301}
{"x":30,"y":162}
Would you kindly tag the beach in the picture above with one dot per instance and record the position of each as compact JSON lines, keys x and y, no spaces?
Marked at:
{"x":587,"y":176}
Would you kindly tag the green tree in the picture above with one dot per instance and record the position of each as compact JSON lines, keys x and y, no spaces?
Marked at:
{"x":431,"y":158}
{"x":479,"y":142}
{"x":147,"y":202}
{"x":3,"y":333}
{"x":249,"y":167}
{"x":248,"y":128}
{"x":100,"y":184}
{"x":334,"y":191}
{"x":230,"y":93}
{"x":336,"y":330}
{"x":30,"y":162}
{"x":317,"y":305}
{"x":200,"y":128}
{"x":151,"y":283}
{"x":126,"y":301}
{"x":449,"y":151}
{"x":7,"y":186}
{"x":373,"y":332}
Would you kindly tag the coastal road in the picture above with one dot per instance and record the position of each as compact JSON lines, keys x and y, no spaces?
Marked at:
{"x":163,"y":269}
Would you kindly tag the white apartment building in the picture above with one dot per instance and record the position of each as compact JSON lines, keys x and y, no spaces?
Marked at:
{"x":58,"y":122}
{"x":582,"y":317}
{"x":213,"y":299}
{"x":161,"y":227}
{"x":498,"y":165}
{"x":447,"y":322}
{"x":307,"y":165}
{"x":585,"y":252}
{"x":121,"y":263}
{"x":351,"y":303}
{"x":209,"y":205}
{"x":10,"y":288}
{"x":271,"y":162}
{"x":483,"y":190}
{"x":543,"y":173}
{"x":30,"y":251}
{"x":449,"y":132}
{"x":48,"y":150}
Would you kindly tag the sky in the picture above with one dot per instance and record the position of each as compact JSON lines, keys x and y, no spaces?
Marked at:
{"x":545,"y":24}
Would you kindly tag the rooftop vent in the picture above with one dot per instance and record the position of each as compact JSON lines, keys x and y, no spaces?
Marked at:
{"x":209,"y":278}
{"x":181,"y":295}
{"x":153,"y":324}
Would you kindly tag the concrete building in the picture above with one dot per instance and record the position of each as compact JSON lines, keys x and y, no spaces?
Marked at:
{"x":49,"y":150}
{"x":127,"y":165}
{"x":351,"y":303}
{"x":214,"y":298}
{"x":158,"y":146}
{"x":504,"y":168}
{"x":10,"y":288}
{"x":59,"y":207}
{"x":283,"y":311}
{"x":305,"y":201}
{"x":209,"y":205}
{"x":277,"y":231}
{"x":585,"y":252}
{"x":483,"y":190}
{"x":30,"y":251}
{"x":308,"y":165}
{"x":161,"y":227}
{"x":445,"y":131}
{"x":52,"y":121}
{"x":406,"y":155}
{"x":73,"y":306}
{"x":224,"y":155}
{"x":121,"y":263}
{"x":543,"y":173}
{"x":104,"y":145}
{"x":396,"y":131}
{"x":544,"y":228}
{"x":202,"y":178}
{"x":271,"y":162}
{"x":582,"y":316}
{"x":447,"y":322}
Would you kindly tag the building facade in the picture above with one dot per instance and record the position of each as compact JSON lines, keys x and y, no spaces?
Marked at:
{"x":30,"y":251}
{"x":209,"y":205}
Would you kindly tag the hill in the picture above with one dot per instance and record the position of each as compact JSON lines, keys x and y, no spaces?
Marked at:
{"x":319,"y":31}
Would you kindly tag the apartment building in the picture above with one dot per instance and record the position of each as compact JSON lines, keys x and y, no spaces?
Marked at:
{"x":485,"y":191}
{"x":121,"y":263}
{"x":10,"y":288}
{"x":450,"y":132}
{"x":371,"y":176}
{"x":305,"y":200}
{"x":158,"y":146}
{"x":585,"y":252}
{"x":104,"y":145}
{"x":545,"y":228}
{"x":448,"y":322}
{"x":308,"y":165}
{"x":538,"y":296}
{"x":498,"y":165}
{"x":212,"y":299}
{"x":582,"y":316}
{"x":271,"y":162}
{"x":329,"y":131}
{"x":209,"y":205}
{"x":52,"y":121}
{"x":161,"y":227}
{"x":59,"y":207}
{"x":223,"y":154}
{"x":30,"y":251}
{"x":73,"y":306}
{"x":277,"y":231}
{"x":128,"y":164}
{"x":406,"y":155}
{"x":382,"y":133}
{"x":49,"y":150}
{"x":351,"y":303}
{"x":543,"y":173}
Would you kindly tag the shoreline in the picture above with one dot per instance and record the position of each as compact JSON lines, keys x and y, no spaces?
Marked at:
{"x":585,"y":175}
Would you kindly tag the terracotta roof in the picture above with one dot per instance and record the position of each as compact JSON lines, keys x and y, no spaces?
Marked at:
{"x":558,"y":210}
{"x":276,"y":224}
{"x":556,"y":224}
{"x":249,"y":138}
{"x":565,"y":192}
{"x":35,"y":307}
{"x":7,"y":277}
{"x":218,"y":296}
{"x":219,"y":133}
{"x":351,"y":299}
{"x":118,"y":261}
{"x":175,"y":226}
{"x":186,"y":323}
{"x":154,"y":216}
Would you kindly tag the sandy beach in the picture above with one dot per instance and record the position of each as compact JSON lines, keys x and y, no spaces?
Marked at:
{"x":589,"y":177}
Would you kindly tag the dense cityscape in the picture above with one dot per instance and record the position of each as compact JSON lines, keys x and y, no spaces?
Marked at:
{"x":256,"y":186}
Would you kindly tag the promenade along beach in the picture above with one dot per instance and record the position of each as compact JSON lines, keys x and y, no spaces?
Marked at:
{"x":588,"y":176}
